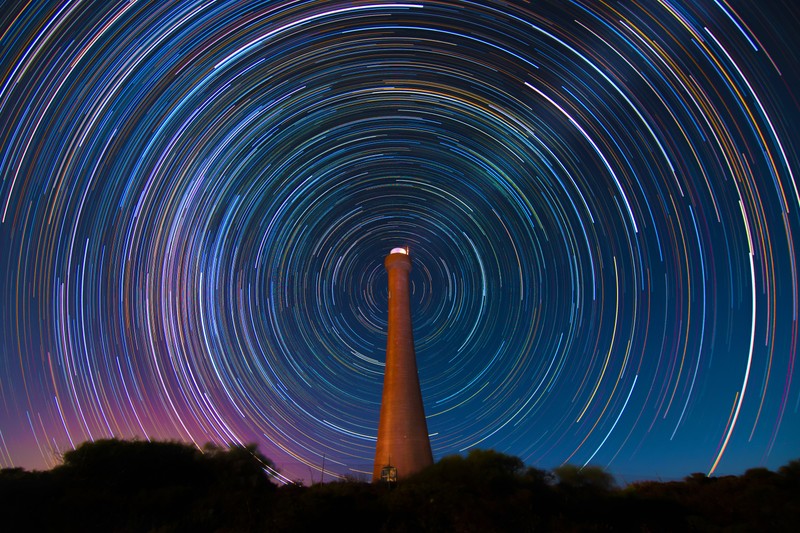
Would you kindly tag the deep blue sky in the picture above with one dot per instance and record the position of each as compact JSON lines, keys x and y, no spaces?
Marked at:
{"x":601,"y":204}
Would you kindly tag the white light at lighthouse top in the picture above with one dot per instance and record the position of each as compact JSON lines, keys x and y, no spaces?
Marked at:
{"x":399,"y":251}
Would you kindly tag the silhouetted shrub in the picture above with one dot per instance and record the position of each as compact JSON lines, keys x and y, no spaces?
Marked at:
{"x":587,"y":477}
{"x":114,"y":485}
{"x":133,"y":465}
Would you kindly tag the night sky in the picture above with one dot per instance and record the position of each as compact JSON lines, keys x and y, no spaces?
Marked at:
{"x":600,"y":201}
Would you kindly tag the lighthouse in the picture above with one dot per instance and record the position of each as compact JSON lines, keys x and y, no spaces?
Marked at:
{"x":403,"y":446}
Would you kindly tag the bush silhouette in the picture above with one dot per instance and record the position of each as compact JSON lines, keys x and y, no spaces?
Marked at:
{"x":132,"y":486}
{"x":587,"y":477}
{"x":116,"y":485}
{"x":132,"y":465}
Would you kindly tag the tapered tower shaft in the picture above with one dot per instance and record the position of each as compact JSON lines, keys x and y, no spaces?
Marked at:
{"x":403,"y":441}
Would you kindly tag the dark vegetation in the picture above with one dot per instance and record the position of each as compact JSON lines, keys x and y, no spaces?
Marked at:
{"x":125,"y":486}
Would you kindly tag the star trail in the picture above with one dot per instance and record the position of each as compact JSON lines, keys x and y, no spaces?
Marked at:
{"x":600,"y":200}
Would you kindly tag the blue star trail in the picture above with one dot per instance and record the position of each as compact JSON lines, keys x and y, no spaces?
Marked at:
{"x":600,"y":201}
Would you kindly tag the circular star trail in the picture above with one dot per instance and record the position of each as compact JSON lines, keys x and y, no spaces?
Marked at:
{"x":600,"y":202}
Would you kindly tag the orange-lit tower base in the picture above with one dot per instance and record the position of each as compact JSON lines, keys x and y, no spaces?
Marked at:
{"x":403,"y":441}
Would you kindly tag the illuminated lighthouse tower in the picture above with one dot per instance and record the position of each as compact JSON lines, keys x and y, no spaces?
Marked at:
{"x":403,"y":446}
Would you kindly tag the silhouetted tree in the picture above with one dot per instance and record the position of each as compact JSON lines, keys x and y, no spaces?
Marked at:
{"x":587,"y":477}
{"x":791,"y":472}
{"x":484,"y":491}
{"x":114,"y":485}
{"x":240,"y":466}
{"x":131,"y":465}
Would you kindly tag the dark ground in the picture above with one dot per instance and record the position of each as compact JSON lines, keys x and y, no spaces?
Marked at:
{"x":126,"y":486}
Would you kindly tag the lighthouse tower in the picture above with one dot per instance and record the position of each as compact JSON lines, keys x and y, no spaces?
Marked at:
{"x":403,"y":446}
